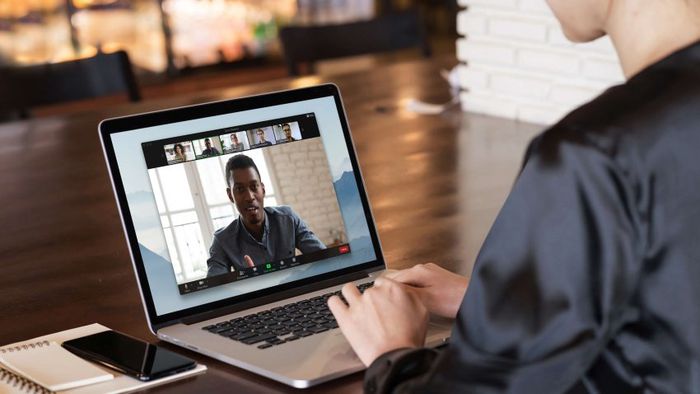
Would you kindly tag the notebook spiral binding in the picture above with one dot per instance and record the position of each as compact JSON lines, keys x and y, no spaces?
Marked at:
{"x":20,"y":384}
{"x":24,"y":347}
{"x":17,"y":382}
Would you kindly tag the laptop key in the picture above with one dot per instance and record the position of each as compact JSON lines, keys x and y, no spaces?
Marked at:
{"x":302,"y":333}
{"x":243,"y":336}
{"x":258,"y":338}
{"x":221,"y":329}
{"x":228,"y":332}
{"x":265,"y":346}
{"x":317,"y":329}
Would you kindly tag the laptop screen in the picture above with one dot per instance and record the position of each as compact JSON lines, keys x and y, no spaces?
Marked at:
{"x":230,"y":204}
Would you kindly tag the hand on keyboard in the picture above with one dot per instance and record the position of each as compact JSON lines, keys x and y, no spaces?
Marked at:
{"x":440,"y":290}
{"x":388,"y":316}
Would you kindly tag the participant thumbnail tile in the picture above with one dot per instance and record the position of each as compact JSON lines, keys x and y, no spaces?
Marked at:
{"x":287,"y":132}
{"x":261,"y":136}
{"x":235,"y":142}
{"x":207,"y":147}
{"x":179,"y":152}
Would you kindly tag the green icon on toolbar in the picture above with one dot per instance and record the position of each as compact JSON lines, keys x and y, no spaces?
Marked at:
{"x":268,"y":266}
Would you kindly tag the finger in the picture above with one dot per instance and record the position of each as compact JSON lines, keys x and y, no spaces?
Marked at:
{"x":389,"y":272}
{"x":413,"y":276}
{"x":386,"y":284}
{"x":248,"y":261}
{"x":339,"y":310}
{"x":337,"y":306}
{"x":351,"y":293}
{"x":342,"y":314}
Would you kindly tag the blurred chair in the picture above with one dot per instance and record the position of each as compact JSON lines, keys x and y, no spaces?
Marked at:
{"x":308,"y":44}
{"x":25,"y":87}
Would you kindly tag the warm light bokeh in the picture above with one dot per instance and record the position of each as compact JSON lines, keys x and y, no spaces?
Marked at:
{"x":203,"y":32}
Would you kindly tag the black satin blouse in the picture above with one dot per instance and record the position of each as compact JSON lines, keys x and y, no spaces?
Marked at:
{"x":589,"y":279}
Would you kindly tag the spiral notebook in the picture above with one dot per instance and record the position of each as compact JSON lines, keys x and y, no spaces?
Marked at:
{"x":51,"y":366}
{"x":13,"y":381}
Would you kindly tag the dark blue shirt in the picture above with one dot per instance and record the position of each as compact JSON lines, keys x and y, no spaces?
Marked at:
{"x":283,"y":232}
{"x":588,"y":279}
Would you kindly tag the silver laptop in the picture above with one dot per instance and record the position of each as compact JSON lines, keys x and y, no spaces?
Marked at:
{"x":242,"y":217}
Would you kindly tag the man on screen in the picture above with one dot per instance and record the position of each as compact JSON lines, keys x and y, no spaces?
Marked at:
{"x":236,"y":145}
{"x":210,"y":150}
{"x":260,"y":234}
{"x":287,"y":130}
{"x":260,"y":137}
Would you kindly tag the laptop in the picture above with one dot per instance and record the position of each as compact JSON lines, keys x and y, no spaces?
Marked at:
{"x":242,"y":218}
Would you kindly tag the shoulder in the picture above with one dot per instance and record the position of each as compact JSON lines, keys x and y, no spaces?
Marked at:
{"x":628,"y":121}
{"x":228,"y":230}
{"x":284,"y":214}
{"x":638,"y":113}
{"x":281,"y":211}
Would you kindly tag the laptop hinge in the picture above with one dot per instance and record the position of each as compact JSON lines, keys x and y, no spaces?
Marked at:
{"x":275,"y":297}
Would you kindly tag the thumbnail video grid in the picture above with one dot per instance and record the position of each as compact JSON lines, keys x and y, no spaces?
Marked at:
{"x":232,"y":140}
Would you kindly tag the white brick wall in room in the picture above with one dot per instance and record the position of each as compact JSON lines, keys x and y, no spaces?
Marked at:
{"x":516,"y":62}
{"x":303,"y":181}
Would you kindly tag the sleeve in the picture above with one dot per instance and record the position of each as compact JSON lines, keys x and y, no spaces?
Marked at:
{"x":217,"y":262}
{"x":305,"y":239}
{"x":551,"y":283}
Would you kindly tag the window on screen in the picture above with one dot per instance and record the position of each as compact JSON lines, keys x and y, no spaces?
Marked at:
{"x":187,"y":237}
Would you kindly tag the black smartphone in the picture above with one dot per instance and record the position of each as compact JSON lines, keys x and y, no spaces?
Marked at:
{"x":129,"y":355}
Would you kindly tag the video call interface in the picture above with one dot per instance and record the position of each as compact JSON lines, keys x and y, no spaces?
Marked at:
{"x":209,"y":241}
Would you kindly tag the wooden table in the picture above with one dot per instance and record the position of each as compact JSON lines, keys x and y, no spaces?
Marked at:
{"x":435,"y":184}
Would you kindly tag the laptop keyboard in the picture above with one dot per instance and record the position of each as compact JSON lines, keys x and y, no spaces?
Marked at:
{"x":282,"y":324}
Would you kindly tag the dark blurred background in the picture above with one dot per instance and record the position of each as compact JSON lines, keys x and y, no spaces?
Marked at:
{"x":181,"y":46}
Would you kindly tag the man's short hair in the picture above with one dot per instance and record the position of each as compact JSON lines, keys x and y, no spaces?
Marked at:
{"x":239,"y":162}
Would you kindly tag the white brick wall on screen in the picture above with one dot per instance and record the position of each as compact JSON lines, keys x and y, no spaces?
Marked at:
{"x":516,"y":62}
{"x":303,"y":181}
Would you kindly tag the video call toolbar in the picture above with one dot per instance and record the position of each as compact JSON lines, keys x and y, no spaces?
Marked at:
{"x":262,"y":269}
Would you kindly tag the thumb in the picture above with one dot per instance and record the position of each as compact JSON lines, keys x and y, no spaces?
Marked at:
{"x":413,"y":277}
{"x":248,"y":261}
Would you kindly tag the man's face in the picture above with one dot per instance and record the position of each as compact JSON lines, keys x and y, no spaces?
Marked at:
{"x":207,"y":143}
{"x":261,"y":135}
{"x":247,"y":192}
{"x":287,"y":131}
